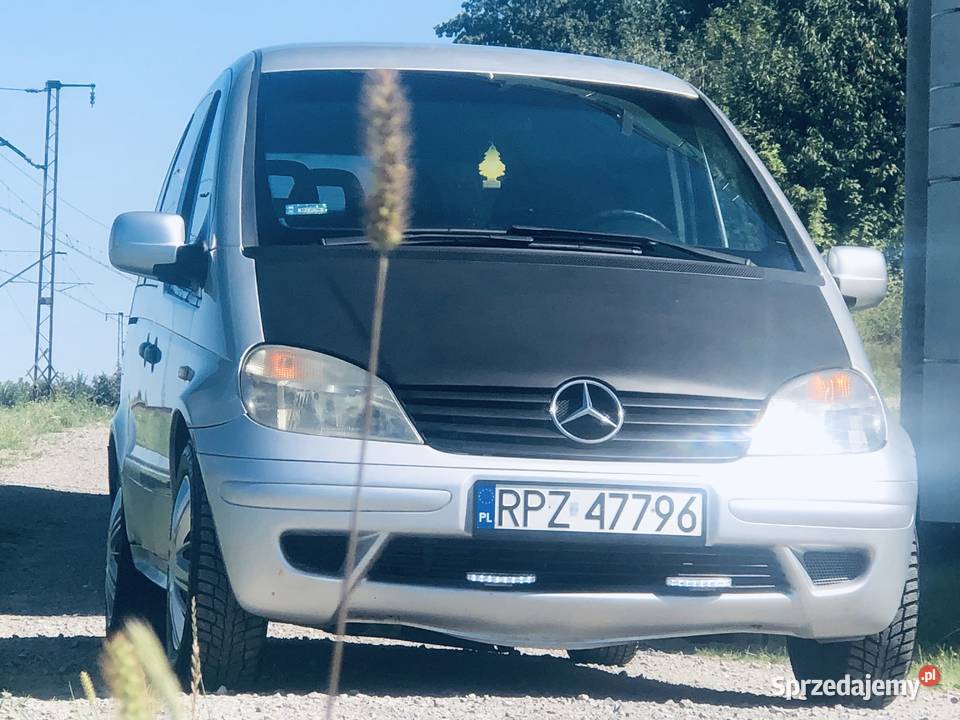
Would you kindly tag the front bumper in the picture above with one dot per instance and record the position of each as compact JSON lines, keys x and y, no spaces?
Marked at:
{"x":263,"y":483}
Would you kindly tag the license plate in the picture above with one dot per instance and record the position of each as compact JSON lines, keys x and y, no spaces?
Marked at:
{"x":588,"y":509}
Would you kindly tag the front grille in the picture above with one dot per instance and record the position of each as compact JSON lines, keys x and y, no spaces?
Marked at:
{"x":830,"y":567}
{"x":516,"y":422}
{"x":573,"y":566}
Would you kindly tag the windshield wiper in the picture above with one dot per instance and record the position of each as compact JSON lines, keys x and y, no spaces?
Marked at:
{"x":469,"y":237}
{"x":641,"y":244}
{"x":473,"y":238}
{"x":553,"y":239}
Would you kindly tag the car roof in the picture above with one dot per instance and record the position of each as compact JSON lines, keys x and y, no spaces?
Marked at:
{"x":449,"y":57}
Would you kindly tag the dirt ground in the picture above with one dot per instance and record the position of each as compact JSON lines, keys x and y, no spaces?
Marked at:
{"x":53,"y":514}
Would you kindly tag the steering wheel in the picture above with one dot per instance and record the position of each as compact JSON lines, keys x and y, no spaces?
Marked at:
{"x":631,"y":222}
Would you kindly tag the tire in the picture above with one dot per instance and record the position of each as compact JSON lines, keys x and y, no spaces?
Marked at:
{"x":614,"y":655}
{"x":231,"y":640}
{"x":884,"y":656}
{"x":128,"y":593}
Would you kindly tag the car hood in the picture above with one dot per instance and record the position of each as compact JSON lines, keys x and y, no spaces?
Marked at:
{"x":534,"y":319}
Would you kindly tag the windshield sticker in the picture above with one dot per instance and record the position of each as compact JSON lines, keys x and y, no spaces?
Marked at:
{"x":306,"y":209}
{"x":492,"y":168}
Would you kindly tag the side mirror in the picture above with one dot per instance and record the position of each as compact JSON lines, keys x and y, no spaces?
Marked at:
{"x":151,"y":244}
{"x":861,"y":275}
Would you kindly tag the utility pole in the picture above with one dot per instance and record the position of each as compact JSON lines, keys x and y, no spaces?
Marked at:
{"x":42,"y":372}
{"x":119,"y":316}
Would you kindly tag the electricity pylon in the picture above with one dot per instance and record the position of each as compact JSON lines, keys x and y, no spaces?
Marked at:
{"x":42,"y":373}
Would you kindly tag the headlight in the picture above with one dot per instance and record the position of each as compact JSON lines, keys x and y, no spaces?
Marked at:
{"x":824,"y":413}
{"x":306,"y":392}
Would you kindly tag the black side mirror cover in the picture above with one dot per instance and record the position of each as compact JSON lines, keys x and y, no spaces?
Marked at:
{"x":189,"y":270}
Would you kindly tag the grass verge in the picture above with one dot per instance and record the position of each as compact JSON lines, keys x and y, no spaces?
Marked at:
{"x":20,"y":425}
{"x":938,"y":634}
{"x":945,"y":658}
{"x":879,"y":329}
{"x":885,"y":360}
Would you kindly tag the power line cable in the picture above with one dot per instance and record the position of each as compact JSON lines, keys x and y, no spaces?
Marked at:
{"x":33,"y":209}
{"x":87,"y":215}
{"x":60,"y":198}
{"x":85,"y":304}
{"x":18,"y":281}
{"x":68,"y":240}
{"x":16,"y":307}
{"x":70,"y":284}
{"x":20,"y":153}
{"x":70,"y":243}
{"x":14,"y":276}
{"x":19,"y":197}
{"x":20,"y":170}
{"x":14,"y":214}
{"x":62,"y":291}
{"x":87,"y":287}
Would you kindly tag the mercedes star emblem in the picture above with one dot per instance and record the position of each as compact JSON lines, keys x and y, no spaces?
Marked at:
{"x":586,"y":411}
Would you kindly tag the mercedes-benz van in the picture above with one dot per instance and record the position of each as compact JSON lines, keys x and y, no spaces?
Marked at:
{"x":621,"y":394}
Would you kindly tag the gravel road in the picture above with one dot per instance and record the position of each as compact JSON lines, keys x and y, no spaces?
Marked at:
{"x":53,"y":513}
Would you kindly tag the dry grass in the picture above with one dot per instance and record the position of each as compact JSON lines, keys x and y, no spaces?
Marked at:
{"x":87,"y":684}
{"x":386,"y":114}
{"x":196,"y":675}
{"x":22,"y":424}
{"x":136,"y":668}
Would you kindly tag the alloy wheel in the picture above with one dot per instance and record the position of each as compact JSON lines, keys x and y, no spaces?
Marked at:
{"x":178,"y":572}
{"x":115,"y":542}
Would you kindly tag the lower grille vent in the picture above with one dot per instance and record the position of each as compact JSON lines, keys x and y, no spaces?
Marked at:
{"x":829,"y":568}
{"x":570,"y":566}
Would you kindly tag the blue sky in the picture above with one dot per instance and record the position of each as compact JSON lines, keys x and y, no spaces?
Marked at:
{"x":151,"y":63}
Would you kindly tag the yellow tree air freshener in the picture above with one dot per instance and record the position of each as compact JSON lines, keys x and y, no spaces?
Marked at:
{"x":492,"y":168}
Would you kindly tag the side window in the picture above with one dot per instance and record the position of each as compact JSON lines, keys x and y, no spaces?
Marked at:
{"x":199,"y":191}
{"x":179,"y":172}
{"x":173,"y":187}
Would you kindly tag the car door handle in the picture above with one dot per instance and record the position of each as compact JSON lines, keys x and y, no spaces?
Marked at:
{"x":150,"y":352}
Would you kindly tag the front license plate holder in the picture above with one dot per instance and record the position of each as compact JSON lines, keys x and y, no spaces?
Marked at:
{"x":492,"y":501}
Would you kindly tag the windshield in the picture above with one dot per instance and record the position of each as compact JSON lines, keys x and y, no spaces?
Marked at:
{"x":493,"y":153}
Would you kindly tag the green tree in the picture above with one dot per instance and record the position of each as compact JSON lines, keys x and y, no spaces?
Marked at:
{"x":816,"y":86}
{"x":622,"y":29}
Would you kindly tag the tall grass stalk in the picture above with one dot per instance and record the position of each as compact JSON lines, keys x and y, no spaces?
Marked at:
{"x":386,"y":115}
{"x":87,"y":684}
{"x":133,"y":664}
{"x":125,"y":678}
{"x":196,"y":676}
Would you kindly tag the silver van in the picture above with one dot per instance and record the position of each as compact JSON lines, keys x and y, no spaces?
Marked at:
{"x":621,"y":398}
